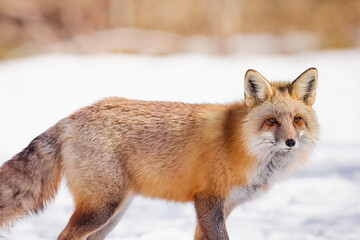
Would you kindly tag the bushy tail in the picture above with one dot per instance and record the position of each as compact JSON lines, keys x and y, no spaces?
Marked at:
{"x":30,"y":178}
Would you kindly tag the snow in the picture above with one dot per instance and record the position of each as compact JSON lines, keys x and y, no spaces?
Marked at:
{"x":320,"y":202}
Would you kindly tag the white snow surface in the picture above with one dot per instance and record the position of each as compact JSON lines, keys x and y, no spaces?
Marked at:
{"x":320,"y":202}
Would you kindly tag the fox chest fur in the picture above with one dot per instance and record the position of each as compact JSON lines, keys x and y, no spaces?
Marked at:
{"x":266,"y":173}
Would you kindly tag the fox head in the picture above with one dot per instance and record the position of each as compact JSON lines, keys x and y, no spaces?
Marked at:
{"x":280,"y":118}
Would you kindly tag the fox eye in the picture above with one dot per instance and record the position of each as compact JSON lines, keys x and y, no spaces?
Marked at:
{"x":297,"y":119}
{"x":271,"y":120}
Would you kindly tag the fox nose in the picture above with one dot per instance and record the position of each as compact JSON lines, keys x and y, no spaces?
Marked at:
{"x":290,"y":142}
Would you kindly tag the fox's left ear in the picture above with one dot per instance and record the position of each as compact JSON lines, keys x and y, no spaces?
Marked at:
{"x":304,"y":87}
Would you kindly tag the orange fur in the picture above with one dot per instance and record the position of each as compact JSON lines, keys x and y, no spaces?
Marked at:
{"x":186,"y":151}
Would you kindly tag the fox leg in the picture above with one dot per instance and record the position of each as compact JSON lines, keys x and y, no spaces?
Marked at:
{"x":228,"y":207}
{"x":211,"y":220}
{"x":199,"y":235}
{"x":90,"y":217}
{"x":86,"y":220}
{"x":96,"y":203}
{"x":101,"y":233}
{"x":232,"y":201}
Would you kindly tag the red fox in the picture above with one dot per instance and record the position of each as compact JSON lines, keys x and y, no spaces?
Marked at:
{"x":215,"y":155}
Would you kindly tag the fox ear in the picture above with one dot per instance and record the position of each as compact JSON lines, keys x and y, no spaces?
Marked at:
{"x":257,"y":88}
{"x":304,"y":87}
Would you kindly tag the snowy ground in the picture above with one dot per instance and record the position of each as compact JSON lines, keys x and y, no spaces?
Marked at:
{"x":321,"y":202}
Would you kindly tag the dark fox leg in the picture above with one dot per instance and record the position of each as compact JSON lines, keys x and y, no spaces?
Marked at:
{"x":199,"y":235}
{"x":90,"y":217}
{"x":228,"y":207}
{"x":211,"y":220}
{"x":101,"y":233}
{"x":98,"y":196}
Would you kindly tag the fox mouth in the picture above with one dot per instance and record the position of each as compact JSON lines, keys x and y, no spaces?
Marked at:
{"x":289,"y":149}
{"x":286,"y":149}
{"x":283,"y":148}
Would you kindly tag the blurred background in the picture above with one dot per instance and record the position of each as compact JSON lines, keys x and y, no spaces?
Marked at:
{"x":160,"y":27}
{"x":57,"y":56}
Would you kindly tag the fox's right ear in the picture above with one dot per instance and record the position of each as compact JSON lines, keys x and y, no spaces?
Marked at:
{"x":257,"y":88}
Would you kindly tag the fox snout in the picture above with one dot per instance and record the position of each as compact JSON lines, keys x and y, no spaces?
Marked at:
{"x":287,"y":136}
{"x":290,"y":142}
